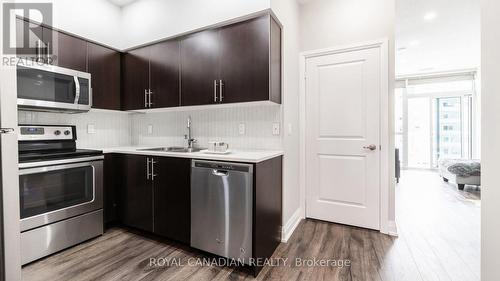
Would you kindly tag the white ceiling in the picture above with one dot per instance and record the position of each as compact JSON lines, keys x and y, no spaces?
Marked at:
{"x":121,"y":3}
{"x":437,"y":35}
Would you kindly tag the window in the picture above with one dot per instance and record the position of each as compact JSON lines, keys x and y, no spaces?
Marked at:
{"x":433,"y":119}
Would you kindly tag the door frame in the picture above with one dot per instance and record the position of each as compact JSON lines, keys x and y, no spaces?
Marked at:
{"x":10,"y":221}
{"x":387,"y":225}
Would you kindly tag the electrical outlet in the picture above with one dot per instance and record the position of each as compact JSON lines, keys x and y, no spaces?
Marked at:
{"x":241,"y":128}
{"x":276,"y":129}
{"x":150,"y":129}
{"x":91,"y":129}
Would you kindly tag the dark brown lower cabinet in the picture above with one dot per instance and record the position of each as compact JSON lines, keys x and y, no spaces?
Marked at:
{"x":112,"y":183}
{"x":158,"y":203}
{"x":172,"y":198}
{"x":161,"y":204}
{"x":136,"y":193}
{"x":267,"y":219}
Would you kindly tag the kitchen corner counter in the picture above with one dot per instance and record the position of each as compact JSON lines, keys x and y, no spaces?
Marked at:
{"x":247,"y":156}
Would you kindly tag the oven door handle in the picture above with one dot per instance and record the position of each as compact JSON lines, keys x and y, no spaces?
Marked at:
{"x":59,"y":162}
{"x":38,"y":170}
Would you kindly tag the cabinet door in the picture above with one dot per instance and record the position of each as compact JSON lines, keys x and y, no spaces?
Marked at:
{"x":199,"y":68}
{"x":164,"y":74}
{"x":135,"y":78}
{"x":172,"y":198}
{"x":137,"y":193}
{"x":67,"y":51}
{"x":104,"y":66}
{"x":244,"y":65}
{"x":27,"y":34}
{"x":112,"y":185}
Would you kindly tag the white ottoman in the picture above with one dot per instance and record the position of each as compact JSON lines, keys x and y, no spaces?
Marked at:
{"x":461,"y":171}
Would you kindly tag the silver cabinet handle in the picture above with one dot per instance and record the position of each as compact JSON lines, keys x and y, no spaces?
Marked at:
{"x":147,"y":168}
{"x":145,"y":98}
{"x":149,"y":95}
{"x":48,"y":53}
{"x":38,"y":50}
{"x":221,"y":86}
{"x":215,"y":90}
{"x":370,"y":147}
{"x":153,"y":175}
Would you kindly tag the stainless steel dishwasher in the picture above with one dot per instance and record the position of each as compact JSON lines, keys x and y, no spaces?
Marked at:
{"x":221,"y":208}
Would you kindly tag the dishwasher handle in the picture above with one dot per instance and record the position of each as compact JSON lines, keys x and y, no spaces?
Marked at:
{"x":220,"y":173}
{"x":222,"y":167}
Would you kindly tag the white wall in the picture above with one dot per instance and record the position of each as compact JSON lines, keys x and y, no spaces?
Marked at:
{"x":490,"y":136}
{"x":330,"y":23}
{"x":327,"y":23}
{"x":149,"y":20}
{"x":288,"y":13}
{"x":97,"y":20}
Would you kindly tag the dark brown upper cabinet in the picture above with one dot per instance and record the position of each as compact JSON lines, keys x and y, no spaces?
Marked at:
{"x":136,"y":79}
{"x":244,"y":64}
{"x":151,"y":76}
{"x":66,"y":50}
{"x":28,"y":35}
{"x":236,"y":63}
{"x":200,"y":68}
{"x":164,"y":74}
{"x":51,"y":46}
{"x":104,"y":67}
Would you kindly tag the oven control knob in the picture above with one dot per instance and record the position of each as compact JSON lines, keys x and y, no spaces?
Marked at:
{"x":67,"y":132}
{"x":57,"y":132}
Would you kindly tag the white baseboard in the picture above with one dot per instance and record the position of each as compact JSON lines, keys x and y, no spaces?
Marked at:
{"x":392,"y":228}
{"x":291,"y":225}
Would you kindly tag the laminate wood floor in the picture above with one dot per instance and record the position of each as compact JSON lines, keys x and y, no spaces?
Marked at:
{"x":439,"y":230}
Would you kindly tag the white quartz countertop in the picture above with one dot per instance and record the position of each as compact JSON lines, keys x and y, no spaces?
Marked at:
{"x":248,"y":156}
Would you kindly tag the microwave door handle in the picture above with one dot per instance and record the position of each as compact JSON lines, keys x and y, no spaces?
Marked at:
{"x":77,"y":89}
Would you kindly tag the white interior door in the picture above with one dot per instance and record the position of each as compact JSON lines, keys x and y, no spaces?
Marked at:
{"x":343,"y":137}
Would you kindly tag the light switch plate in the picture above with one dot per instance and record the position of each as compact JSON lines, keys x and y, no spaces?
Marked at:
{"x":289,"y":129}
{"x":150,"y":129}
{"x":276,"y":129}
{"x":91,"y":129}
{"x":241,"y":128}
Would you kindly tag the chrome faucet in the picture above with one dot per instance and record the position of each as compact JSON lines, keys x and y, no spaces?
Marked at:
{"x":188,"y":137}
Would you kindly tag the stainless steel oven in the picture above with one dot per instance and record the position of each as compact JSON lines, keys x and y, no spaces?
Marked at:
{"x":44,"y":87}
{"x":52,"y":191}
{"x":60,"y":190}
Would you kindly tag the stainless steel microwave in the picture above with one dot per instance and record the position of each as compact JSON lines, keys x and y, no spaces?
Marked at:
{"x":43,"y":87}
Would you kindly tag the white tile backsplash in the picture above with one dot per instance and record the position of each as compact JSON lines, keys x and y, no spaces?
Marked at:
{"x":216,"y":124}
{"x":112,"y":128}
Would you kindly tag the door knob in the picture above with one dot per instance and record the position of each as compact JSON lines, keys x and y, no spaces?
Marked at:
{"x":370,"y":147}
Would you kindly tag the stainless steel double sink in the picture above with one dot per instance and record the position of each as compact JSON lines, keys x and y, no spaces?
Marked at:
{"x":173,"y":149}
